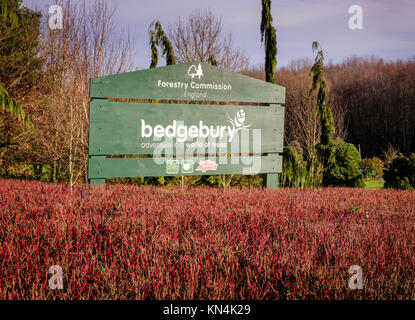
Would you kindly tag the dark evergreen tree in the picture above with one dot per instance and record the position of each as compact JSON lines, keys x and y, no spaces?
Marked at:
{"x":341,"y":161}
{"x":326,"y":117}
{"x":213,"y":61}
{"x":158,"y":37}
{"x":20,"y":64}
{"x":269,"y":38}
{"x":401,"y":173}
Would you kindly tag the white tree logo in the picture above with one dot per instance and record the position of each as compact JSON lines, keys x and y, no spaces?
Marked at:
{"x":238,"y":122}
{"x":193,"y":71}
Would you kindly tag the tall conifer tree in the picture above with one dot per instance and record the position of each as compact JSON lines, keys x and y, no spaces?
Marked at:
{"x":159,"y":38}
{"x":326,"y":117}
{"x":269,"y":38}
{"x":340,"y":159}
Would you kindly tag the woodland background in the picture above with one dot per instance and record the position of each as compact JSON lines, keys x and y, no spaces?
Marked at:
{"x":47,"y":72}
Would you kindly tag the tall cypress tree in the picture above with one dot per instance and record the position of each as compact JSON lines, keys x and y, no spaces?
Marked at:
{"x":340,"y":159}
{"x":158,"y":37}
{"x":326,"y":117}
{"x":326,"y":146}
{"x":269,"y":38}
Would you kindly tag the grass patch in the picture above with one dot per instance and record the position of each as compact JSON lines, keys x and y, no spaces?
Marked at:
{"x":374,"y":184}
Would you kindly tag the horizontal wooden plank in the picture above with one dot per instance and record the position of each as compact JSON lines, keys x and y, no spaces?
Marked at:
{"x":118,"y":128}
{"x":148,"y":167}
{"x":187,"y":81}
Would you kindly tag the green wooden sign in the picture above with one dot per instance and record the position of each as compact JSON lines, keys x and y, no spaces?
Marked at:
{"x":162,"y":132}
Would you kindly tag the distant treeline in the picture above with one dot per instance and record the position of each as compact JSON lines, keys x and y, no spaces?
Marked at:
{"x":373,"y":102}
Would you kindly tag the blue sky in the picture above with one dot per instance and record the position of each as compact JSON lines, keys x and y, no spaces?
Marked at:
{"x":388,"y":26}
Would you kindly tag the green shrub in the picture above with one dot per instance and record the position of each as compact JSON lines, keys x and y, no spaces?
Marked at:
{"x":401,"y":173}
{"x":343,"y":168}
{"x":18,"y":171}
{"x":372,"y":168}
{"x":294,"y":168}
{"x":205,"y":180}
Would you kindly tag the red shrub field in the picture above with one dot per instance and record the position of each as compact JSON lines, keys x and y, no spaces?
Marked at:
{"x":135,"y":242}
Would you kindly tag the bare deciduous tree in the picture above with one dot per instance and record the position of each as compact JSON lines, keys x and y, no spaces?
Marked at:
{"x":301,"y":119}
{"x":201,"y":37}
{"x":87,"y":46}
